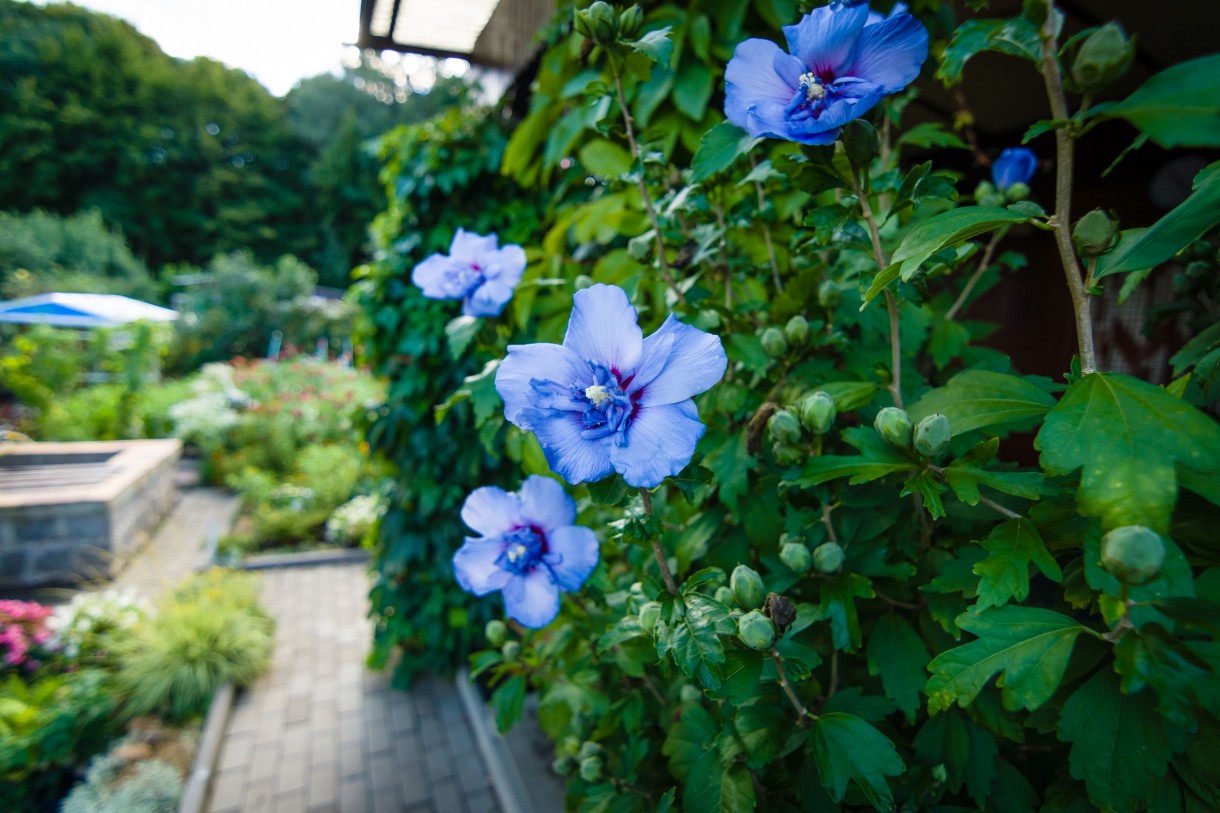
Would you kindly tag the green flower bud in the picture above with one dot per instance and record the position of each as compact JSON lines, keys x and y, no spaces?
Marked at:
{"x":591,"y":769}
{"x":1095,"y":233}
{"x":818,"y":412}
{"x":894,"y":425}
{"x":690,"y":694}
{"x":932,"y":435}
{"x":1017,"y":191}
{"x":756,"y":631}
{"x":725,"y":596}
{"x":510,"y":650}
{"x":630,"y":22}
{"x":786,"y":455}
{"x":1104,"y":56}
{"x":563,"y":766}
{"x":828,"y":557}
{"x":650,"y":613}
{"x":829,"y":295}
{"x":636,"y":588}
{"x":589,"y":748}
{"x":861,"y":142}
{"x":785,"y":427}
{"x":797,"y":330}
{"x":1132,"y":554}
{"x":796,"y":557}
{"x":939,"y":774}
{"x":747,"y":586}
{"x":640,"y":248}
{"x":603,"y":22}
{"x":495,"y":632}
{"x":580,"y":22}
{"x":773,"y":343}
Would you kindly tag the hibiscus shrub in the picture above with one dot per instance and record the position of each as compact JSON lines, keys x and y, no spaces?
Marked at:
{"x":828,"y":574}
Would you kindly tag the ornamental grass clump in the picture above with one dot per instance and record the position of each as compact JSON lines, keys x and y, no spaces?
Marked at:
{"x":211,"y":631}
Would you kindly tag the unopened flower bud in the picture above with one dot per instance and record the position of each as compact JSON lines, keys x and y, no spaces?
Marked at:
{"x":756,"y":631}
{"x":724,"y":595}
{"x":603,"y":22}
{"x":650,"y":613}
{"x":773,"y":343}
{"x":510,"y":650}
{"x":589,"y":748}
{"x":1018,"y":191}
{"x":495,"y":632}
{"x":1132,"y":554}
{"x":580,"y":22}
{"x":828,"y":557}
{"x":829,"y":295}
{"x":932,"y":435}
{"x":690,"y":694}
{"x":894,"y":425}
{"x":563,"y":766}
{"x":786,"y":455}
{"x":630,"y":22}
{"x":747,"y":586}
{"x":1104,"y":56}
{"x":640,"y":248}
{"x":784,"y":427}
{"x":818,"y":412}
{"x":939,"y":774}
{"x":1094,"y":233}
{"x":591,"y":769}
{"x":797,"y":330}
{"x":796,"y":557}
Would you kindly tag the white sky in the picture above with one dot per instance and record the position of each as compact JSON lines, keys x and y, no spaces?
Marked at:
{"x":278,"y":42}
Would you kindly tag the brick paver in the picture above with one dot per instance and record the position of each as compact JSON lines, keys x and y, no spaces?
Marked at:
{"x":322,"y":733}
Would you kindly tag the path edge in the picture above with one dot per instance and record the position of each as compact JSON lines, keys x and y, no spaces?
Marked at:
{"x":214,"y":725}
{"x":510,"y":787}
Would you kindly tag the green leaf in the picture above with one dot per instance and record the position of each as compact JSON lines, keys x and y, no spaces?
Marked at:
{"x":1192,"y":218}
{"x":693,"y":86}
{"x":967,"y":751}
{"x":690,"y":479}
{"x":713,"y":788}
{"x":898,"y":655}
{"x":1004,"y":574}
{"x":694,"y":639}
{"x":975,"y":399}
{"x":847,"y":749}
{"x":931,"y":134}
{"x":839,"y":607}
{"x":656,"y":45}
{"x":861,"y":470}
{"x":1177,"y":107}
{"x":1127,"y":436}
{"x":1031,"y":646}
{"x":688,"y":739}
{"x":718,"y":149}
{"x":1120,"y":743}
{"x":1016,"y":37}
{"x":461,"y":332}
{"x":509,"y":701}
{"x":742,"y":670}
{"x":966,"y":474}
{"x":939,"y":232}
{"x":763,"y":729}
{"x":603,"y":157}
{"x":849,"y":395}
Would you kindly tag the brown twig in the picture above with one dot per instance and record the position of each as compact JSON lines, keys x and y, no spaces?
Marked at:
{"x":891,"y":303}
{"x":801,"y":712}
{"x":984,"y":264}
{"x":670,"y":584}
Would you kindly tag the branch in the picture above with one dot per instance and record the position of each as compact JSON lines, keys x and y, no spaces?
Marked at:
{"x":766,"y":230}
{"x":801,"y":712}
{"x":670,"y":585}
{"x":1062,"y":221}
{"x":891,"y":304}
{"x":984,"y":264}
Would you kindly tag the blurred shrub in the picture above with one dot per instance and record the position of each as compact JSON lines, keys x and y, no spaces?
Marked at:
{"x":153,"y":787}
{"x":90,"y":628}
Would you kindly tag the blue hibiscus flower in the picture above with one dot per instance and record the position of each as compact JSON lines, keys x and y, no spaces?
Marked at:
{"x":840,"y":65}
{"x":608,"y":399}
{"x":528,"y":548}
{"x":474,"y":271}
{"x":1015,"y":165}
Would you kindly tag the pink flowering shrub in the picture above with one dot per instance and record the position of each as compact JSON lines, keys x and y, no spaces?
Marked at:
{"x":23,"y":634}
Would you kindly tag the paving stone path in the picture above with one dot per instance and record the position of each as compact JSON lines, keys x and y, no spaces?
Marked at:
{"x":322,"y":733}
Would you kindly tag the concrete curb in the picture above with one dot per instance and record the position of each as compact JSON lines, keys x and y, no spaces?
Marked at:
{"x":309,"y":558}
{"x":510,"y":787}
{"x":208,"y":753}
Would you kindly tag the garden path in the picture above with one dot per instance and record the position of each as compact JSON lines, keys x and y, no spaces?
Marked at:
{"x":320,"y":732}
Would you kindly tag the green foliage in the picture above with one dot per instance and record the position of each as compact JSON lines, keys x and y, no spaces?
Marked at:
{"x":41,"y":252}
{"x":966,"y":647}
{"x":210,"y":632}
{"x":47,"y":728}
{"x":152,"y":787}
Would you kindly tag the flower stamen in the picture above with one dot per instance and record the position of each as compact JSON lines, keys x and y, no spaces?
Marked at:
{"x":813,"y":87}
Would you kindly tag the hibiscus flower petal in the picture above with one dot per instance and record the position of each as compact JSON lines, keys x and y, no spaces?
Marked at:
{"x":573,"y":557}
{"x":432,"y":276}
{"x":750,"y":79}
{"x":532,"y":599}
{"x":491,"y":511}
{"x":825,"y":39}
{"x":539,"y":363}
{"x":488,"y":299}
{"x":695,"y":361}
{"x":475,"y":566}
{"x":570,"y":455}
{"x":890,"y":53}
{"x":604,"y":327}
{"x":545,"y":504}
{"x":469,"y":246}
{"x":510,"y":265}
{"x":661,"y":441}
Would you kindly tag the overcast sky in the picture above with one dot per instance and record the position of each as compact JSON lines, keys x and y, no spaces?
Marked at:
{"x":278,"y":42}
